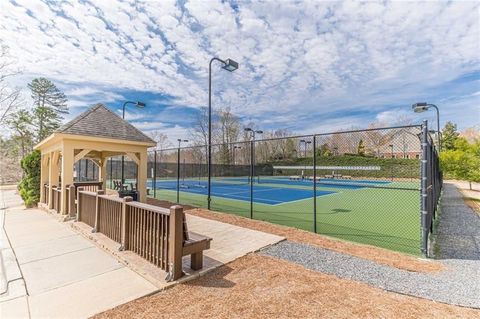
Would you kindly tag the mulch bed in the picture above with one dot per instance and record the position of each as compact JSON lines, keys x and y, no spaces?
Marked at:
{"x":258,"y":286}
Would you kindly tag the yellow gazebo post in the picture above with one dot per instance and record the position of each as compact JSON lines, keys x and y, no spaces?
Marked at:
{"x":67,"y":173}
{"x":52,"y":176}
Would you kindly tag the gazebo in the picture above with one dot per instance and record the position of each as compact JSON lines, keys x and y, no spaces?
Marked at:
{"x":96,"y":134}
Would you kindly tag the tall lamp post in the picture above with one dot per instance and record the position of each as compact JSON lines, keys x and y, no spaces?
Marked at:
{"x":178,"y":168}
{"x":421,"y":107}
{"x":252,"y":163}
{"x":235,"y":148}
{"x":230,"y":66}
{"x":140,"y":105}
{"x":252,"y":155}
{"x":305,"y":143}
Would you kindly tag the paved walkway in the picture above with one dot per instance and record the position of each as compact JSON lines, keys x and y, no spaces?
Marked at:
{"x":458,"y":239}
{"x":60,"y":273}
{"x":51,"y":269}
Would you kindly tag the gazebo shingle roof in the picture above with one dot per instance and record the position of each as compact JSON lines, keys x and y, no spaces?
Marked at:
{"x":99,"y":121}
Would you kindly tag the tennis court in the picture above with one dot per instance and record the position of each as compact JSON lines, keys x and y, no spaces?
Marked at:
{"x":377,"y":212}
{"x":239,"y":189}
{"x":361,"y":185}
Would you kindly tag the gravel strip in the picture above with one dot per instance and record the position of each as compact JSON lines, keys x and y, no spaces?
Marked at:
{"x":458,"y":234}
{"x":459,"y":284}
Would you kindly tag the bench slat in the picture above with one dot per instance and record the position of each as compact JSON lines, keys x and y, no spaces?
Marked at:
{"x":196,"y":243}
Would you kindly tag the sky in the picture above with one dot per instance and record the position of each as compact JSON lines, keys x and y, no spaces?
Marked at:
{"x":306,"y":66}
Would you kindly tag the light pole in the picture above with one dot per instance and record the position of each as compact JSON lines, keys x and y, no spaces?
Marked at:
{"x":421,"y":107}
{"x":230,"y":66}
{"x":140,"y":105}
{"x":178,"y":168}
{"x":235,"y":148}
{"x":305,"y":143}
{"x":252,"y":148}
{"x":252,"y":163}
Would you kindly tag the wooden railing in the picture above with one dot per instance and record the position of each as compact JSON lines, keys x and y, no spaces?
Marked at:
{"x":110,"y":217}
{"x":88,"y":186}
{"x":152,"y":232}
{"x":57,"y":198}
{"x":147,"y":232}
{"x":86,"y":207}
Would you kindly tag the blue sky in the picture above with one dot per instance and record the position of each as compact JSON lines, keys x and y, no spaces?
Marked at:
{"x":307,"y":66}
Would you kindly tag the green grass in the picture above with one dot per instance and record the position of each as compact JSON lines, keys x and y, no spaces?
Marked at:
{"x":377,"y":216}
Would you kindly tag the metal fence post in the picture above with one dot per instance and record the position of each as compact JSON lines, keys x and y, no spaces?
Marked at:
{"x":424,"y":196}
{"x":178,"y":175}
{"x":251,"y":177}
{"x":155,"y":175}
{"x":314,"y":184}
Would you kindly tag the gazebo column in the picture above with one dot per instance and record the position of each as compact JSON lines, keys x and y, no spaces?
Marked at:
{"x":52,"y":176}
{"x":142,"y":177}
{"x":68,"y":159}
{"x":43,"y":176}
{"x":102,"y":174}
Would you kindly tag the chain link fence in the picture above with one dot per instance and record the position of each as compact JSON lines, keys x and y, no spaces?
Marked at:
{"x":377,"y":186}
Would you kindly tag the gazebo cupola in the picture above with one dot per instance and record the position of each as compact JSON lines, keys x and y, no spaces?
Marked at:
{"x":96,"y":134}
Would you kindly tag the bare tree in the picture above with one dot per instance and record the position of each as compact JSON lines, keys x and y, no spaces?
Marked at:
{"x":199,"y":130}
{"x":228,"y":131}
{"x":161,"y":139}
{"x":10,"y":98}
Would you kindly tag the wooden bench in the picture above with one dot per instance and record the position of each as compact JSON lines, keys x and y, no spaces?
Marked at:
{"x":186,"y":243}
{"x":194,"y":246}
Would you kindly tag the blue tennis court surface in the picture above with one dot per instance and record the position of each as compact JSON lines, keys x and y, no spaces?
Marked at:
{"x":238,"y":188}
{"x":330,"y":183}
{"x":241,"y":191}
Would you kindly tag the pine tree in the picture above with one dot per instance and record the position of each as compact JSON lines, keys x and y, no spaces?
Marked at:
{"x":449,"y":136}
{"x":50,"y":105}
{"x":21,"y":123}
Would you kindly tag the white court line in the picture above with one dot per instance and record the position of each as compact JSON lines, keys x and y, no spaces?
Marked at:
{"x":246,"y":198}
{"x":299,"y":200}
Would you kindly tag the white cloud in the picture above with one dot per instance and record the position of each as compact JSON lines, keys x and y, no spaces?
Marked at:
{"x":297,"y":58}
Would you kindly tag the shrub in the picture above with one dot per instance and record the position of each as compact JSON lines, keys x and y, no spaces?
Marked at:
{"x":462,"y":161}
{"x":29,"y":187}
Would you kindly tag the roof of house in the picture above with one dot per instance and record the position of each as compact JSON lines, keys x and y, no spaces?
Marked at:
{"x":99,"y":121}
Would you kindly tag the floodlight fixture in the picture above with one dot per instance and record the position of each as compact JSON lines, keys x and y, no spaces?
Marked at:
{"x":230,"y":65}
{"x":421,"y":107}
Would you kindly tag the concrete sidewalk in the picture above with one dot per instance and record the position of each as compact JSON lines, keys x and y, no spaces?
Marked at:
{"x":63,"y":270}
{"x":63,"y":275}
